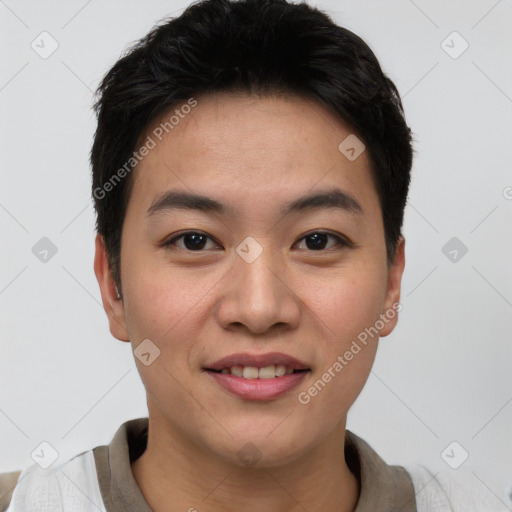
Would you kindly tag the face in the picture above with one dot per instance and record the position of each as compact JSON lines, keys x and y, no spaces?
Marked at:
{"x":261,"y":275}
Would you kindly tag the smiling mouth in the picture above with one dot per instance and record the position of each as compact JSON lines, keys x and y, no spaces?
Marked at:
{"x":254,"y":372}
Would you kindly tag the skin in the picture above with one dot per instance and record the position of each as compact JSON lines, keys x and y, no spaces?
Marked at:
{"x":253,"y":154}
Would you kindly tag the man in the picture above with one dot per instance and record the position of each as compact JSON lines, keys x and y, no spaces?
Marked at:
{"x":250,"y":172}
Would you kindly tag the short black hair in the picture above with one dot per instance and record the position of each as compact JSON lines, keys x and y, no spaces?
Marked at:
{"x":255,"y":46}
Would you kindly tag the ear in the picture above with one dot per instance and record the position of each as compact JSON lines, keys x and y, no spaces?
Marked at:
{"x":113,"y":305}
{"x":391,"y":304}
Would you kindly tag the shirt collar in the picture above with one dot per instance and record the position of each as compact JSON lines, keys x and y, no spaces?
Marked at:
{"x":383,"y":487}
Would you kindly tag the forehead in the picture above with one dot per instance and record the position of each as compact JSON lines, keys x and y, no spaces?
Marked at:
{"x":250,"y":151}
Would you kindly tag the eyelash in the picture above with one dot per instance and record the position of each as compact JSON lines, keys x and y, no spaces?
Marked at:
{"x":340,"y":241}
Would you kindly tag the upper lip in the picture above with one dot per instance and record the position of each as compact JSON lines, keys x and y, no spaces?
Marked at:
{"x":257,"y":360}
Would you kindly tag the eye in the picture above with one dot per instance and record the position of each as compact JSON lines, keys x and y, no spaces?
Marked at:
{"x":196,"y":241}
{"x":316,"y":241}
{"x":192,"y":241}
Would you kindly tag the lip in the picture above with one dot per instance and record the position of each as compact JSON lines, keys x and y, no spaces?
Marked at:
{"x":258,"y":389}
{"x":258,"y":360}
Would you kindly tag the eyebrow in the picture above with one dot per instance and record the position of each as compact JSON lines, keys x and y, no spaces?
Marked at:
{"x":330,"y":198}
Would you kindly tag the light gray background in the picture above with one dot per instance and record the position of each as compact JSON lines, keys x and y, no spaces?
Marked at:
{"x":444,"y":375}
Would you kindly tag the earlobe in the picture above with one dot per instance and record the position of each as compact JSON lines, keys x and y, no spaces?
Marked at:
{"x":392,"y":302}
{"x":112,"y":302}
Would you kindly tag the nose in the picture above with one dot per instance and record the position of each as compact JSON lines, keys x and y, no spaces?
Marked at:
{"x":258,"y":295}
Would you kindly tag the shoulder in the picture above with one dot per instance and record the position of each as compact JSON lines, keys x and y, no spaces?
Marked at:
{"x":70,"y":485}
{"x":7,"y":484}
{"x":452,"y":491}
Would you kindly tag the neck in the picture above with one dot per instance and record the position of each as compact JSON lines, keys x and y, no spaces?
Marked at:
{"x":173,"y":470}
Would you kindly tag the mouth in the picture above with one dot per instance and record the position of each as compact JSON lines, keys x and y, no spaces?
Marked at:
{"x":258,"y":366}
{"x":253,"y":372}
{"x":257,"y":377}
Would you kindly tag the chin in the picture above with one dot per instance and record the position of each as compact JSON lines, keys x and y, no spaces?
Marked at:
{"x":259,"y":449}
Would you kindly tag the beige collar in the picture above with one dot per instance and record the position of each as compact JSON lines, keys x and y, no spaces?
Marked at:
{"x":384,"y":488}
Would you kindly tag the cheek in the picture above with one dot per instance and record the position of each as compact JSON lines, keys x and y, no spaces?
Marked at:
{"x":163,"y":308}
{"x":347,"y":310}
{"x":347,"y":305}
{"x":345,"y":351}
{"x":159,"y":300}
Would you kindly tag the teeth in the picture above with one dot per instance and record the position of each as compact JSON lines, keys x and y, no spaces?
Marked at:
{"x":269,"y":372}
{"x":252,"y":372}
{"x":280,"y":370}
{"x":237,"y":371}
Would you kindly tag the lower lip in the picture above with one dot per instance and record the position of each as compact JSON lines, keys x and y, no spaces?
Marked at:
{"x":258,"y":389}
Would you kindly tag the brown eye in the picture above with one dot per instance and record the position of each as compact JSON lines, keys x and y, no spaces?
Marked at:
{"x":192,"y":241}
{"x":317,"y":241}
{"x":195,"y":241}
